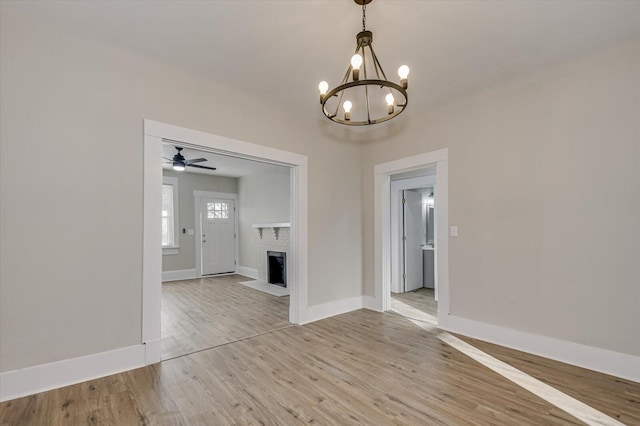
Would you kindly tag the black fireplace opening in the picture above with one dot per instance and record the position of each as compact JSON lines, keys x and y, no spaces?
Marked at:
{"x":277,"y":268}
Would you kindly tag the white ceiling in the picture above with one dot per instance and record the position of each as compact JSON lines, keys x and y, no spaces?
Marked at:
{"x":225,"y":165}
{"x":281,"y":49}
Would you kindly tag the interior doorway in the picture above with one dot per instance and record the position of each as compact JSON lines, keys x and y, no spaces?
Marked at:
{"x":155,"y":133}
{"x":413,"y":251}
{"x":386,"y":246}
{"x":212,"y":295}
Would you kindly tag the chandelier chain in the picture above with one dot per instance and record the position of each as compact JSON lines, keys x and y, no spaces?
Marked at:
{"x":364,"y":17}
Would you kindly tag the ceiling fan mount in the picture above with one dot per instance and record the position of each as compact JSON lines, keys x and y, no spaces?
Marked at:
{"x":179,"y":163}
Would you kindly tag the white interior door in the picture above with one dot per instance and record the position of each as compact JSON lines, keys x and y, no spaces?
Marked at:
{"x":217,"y":217}
{"x":412,"y":214}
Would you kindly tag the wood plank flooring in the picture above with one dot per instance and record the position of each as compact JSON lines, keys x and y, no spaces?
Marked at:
{"x":422,"y":299}
{"x":203,"y":313}
{"x":576,"y":382}
{"x":362,"y":367}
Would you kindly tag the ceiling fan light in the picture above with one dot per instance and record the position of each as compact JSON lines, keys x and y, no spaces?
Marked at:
{"x":178,"y":167}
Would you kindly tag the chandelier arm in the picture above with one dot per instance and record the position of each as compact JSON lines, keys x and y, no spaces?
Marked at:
{"x":366,"y":87}
{"x":375,"y":63}
{"x":378,"y":68}
{"x":375,"y":58}
{"x":364,"y":62}
{"x":366,"y":93}
{"x":339,"y":103}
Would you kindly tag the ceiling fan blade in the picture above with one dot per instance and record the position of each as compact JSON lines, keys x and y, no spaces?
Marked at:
{"x":168,"y":159}
{"x":201,"y":167}
{"x":195,"y":160}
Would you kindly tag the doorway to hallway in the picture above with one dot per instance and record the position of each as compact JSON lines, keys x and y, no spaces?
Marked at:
{"x":386,"y":246}
{"x":413,"y":252}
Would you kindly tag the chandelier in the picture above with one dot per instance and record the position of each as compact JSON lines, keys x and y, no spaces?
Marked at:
{"x":359,"y":100}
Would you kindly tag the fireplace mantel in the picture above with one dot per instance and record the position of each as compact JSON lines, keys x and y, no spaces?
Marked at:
{"x":275,"y":227}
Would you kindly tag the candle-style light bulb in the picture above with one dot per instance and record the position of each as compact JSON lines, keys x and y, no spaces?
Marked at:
{"x":390,"y":101}
{"x":403,"y":73}
{"x":347,"y":110}
{"x":323,"y":87}
{"x":356,"y":62}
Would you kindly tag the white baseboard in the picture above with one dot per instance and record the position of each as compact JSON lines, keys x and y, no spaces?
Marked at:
{"x":27,"y":381}
{"x":369,"y":302}
{"x":153,"y":351}
{"x":597,"y":359}
{"x":182,"y":274}
{"x":247,"y":272}
{"x":326,"y":310}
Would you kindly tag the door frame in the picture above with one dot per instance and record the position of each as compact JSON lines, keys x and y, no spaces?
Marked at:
{"x":197,"y":200}
{"x":297,"y":271}
{"x":396,"y":225}
{"x":382,"y":226}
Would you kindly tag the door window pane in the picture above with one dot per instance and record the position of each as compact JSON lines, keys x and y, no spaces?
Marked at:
{"x":217,"y":210}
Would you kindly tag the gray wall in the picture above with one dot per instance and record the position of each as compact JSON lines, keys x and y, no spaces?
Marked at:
{"x":262,"y":197}
{"x":544,"y":187}
{"x":71,"y":271}
{"x":187,"y":183}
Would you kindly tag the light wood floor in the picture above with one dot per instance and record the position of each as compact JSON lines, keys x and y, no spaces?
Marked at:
{"x":203,"y":313}
{"x":422,"y":299}
{"x":362,"y":367}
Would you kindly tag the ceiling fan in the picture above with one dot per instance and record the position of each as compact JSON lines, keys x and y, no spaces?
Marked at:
{"x":180,"y":163}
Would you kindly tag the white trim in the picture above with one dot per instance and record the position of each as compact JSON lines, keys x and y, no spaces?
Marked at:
{"x":168,"y":251}
{"x":197,"y":201}
{"x":370,"y":303}
{"x":31,"y":380}
{"x":329,"y":309}
{"x":597,"y":359}
{"x":178,"y":275}
{"x":152,"y":242}
{"x":382,"y":225}
{"x":154,"y":133}
{"x":396,"y":223}
{"x":153,"y":351}
{"x":247,"y":272}
{"x":298,"y":268}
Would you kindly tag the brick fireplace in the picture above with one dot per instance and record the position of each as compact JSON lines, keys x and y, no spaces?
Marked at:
{"x":272,"y":239}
